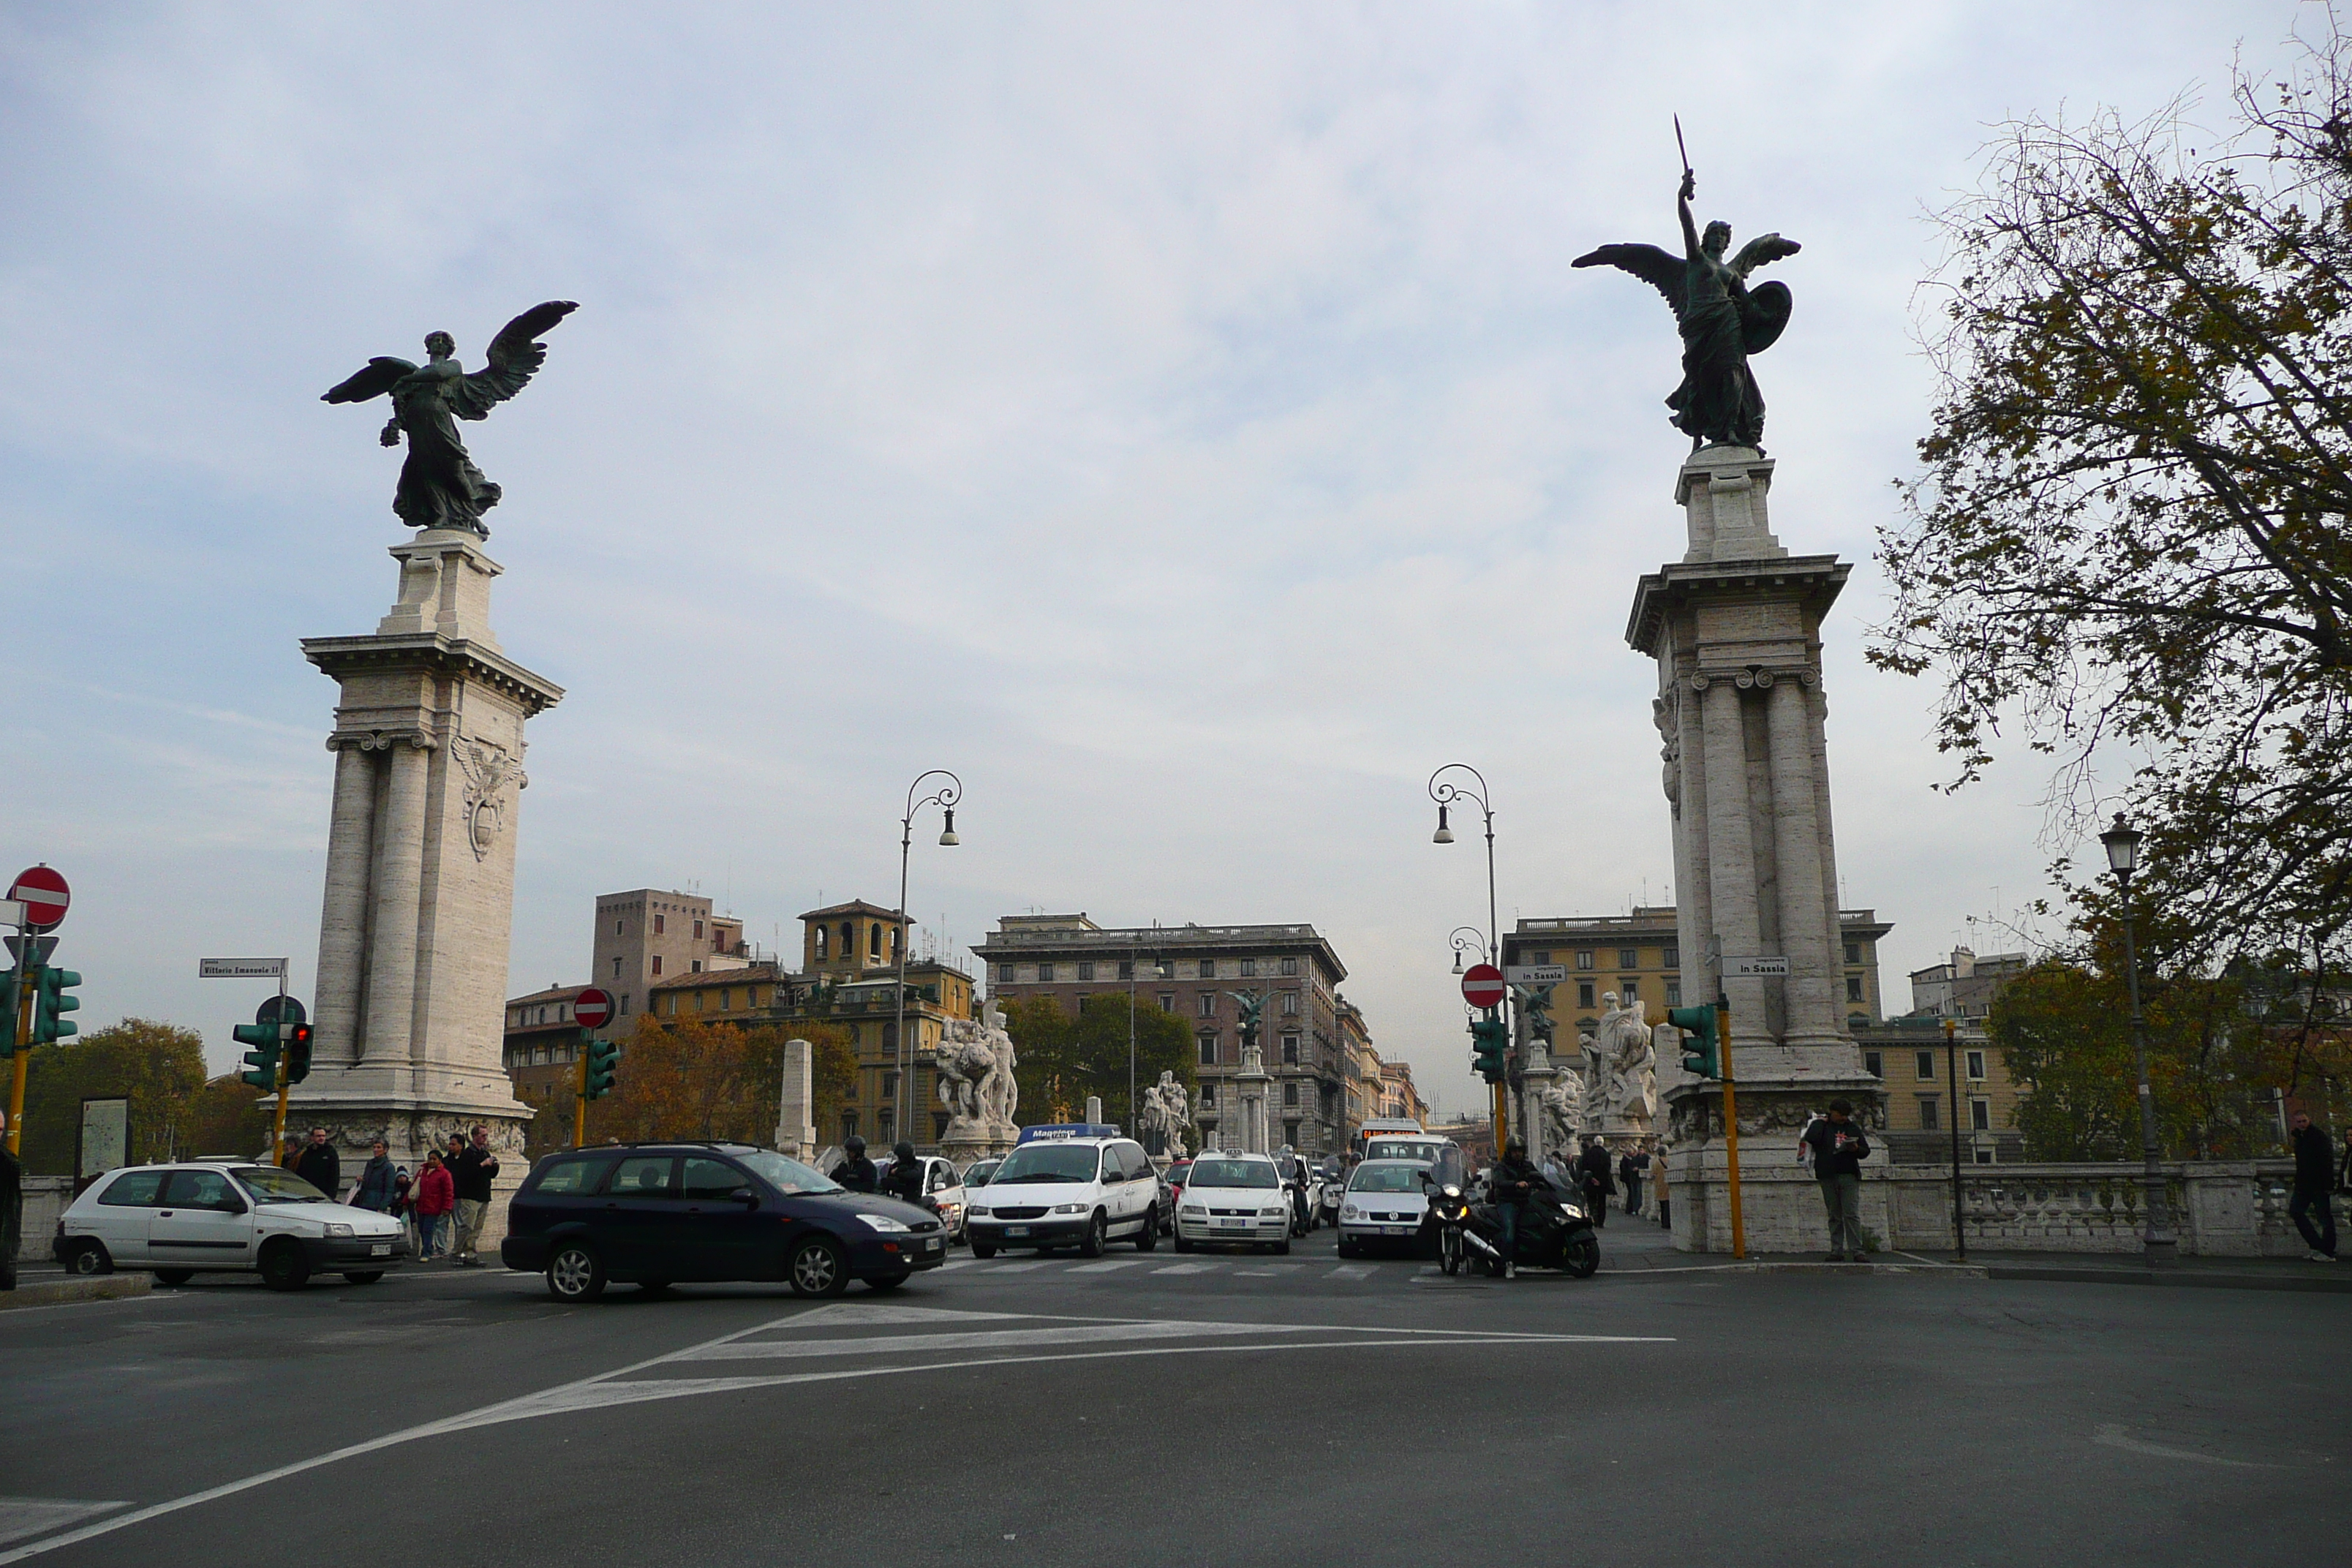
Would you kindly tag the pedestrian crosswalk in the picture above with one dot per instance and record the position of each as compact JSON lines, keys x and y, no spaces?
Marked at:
{"x":1237,"y":1267}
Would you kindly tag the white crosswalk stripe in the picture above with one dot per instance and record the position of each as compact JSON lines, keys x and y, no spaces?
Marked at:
{"x":1355,"y":1271}
{"x":1106,"y":1264}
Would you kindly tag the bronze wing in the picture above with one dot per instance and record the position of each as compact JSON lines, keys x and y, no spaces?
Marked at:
{"x":1764,"y":312}
{"x":513,"y":356}
{"x":373,"y":381}
{"x":1661,"y":271}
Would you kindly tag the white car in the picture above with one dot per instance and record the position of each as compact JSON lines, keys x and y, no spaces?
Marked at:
{"x":1386,"y":1201}
{"x":207,"y":1215}
{"x":1063,"y":1186}
{"x":942,"y":1184}
{"x":1232,"y":1198}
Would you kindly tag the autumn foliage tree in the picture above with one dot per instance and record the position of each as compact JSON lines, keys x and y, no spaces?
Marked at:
{"x":159,"y":1066}
{"x":686,"y":1079}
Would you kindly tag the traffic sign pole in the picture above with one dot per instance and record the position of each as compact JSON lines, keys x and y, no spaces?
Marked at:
{"x":285,"y":1083}
{"x":1730,"y":1122}
{"x":41,"y":897}
{"x":592,"y":1009}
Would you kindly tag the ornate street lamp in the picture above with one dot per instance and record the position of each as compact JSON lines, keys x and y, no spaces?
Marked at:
{"x":1467,"y":942}
{"x":945,"y":797}
{"x":1445,"y":793}
{"x":2121,"y":844}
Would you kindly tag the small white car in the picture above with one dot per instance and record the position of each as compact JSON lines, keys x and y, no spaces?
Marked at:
{"x":213,"y":1215}
{"x":1074,"y":1184}
{"x":1386,"y":1201}
{"x":942,"y":1184}
{"x":1232,"y":1198}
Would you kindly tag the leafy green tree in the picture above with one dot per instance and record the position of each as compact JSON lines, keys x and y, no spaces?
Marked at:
{"x":1063,"y":1058}
{"x":227,"y":1116}
{"x":160,"y":1066}
{"x":2130,"y":535}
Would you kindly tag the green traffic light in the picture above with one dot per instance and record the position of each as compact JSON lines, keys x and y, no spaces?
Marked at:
{"x":261,"y":1062}
{"x":1490,"y":1040}
{"x":603,"y":1055}
{"x":1702,"y":1054}
{"x":50,"y":998}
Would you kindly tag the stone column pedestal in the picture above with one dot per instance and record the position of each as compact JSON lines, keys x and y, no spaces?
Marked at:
{"x":419,"y":899}
{"x":1734,"y":627}
{"x":796,"y":1105}
{"x":1252,"y":1084}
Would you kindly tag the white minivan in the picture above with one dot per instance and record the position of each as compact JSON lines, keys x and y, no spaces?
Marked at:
{"x":1078,"y":1184}
{"x":205,"y":1215}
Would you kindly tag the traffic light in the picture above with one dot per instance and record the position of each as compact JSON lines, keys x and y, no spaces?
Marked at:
{"x":50,"y":998}
{"x":261,"y":1062}
{"x":1701,"y":1054}
{"x":598,"y":1081}
{"x":297,"y":1038}
{"x":9,"y":1006}
{"x":1490,"y":1037}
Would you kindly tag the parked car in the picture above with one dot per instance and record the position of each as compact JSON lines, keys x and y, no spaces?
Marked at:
{"x":1234,"y":1198}
{"x":655,"y":1214}
{"x":1068,"y":1189}
{"x":942,"y":1184}
{"x":1177,"y":1174}
{"x":1386,"y":1203}
{"x":205,"y":1215}
{"x":977,"y":1174}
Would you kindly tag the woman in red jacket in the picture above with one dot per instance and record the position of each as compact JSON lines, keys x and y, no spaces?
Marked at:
{"x":436,"y":1195}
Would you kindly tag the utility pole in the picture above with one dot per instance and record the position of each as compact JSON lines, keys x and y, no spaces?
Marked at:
{"x":1952,"y":1069}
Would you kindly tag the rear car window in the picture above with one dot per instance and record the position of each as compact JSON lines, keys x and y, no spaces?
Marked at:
{"x":642,"y":1176}
{"x":566,"y":1176}
{"x":133,"y":1190}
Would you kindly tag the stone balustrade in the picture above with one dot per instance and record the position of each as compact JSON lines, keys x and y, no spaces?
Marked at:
{"x":2221,"y":1208}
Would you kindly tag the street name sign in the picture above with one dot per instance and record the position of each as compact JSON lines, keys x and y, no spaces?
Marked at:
{"x":1754,"y":968}
{"x":240,"y":969}
{"x":44,"y":895}
{"x":1535,"y":973}
{"x":592,"y":1009}
{"x":1482,"y":986}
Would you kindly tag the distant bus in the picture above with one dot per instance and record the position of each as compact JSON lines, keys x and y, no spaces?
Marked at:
{"x":1395,"y":1138}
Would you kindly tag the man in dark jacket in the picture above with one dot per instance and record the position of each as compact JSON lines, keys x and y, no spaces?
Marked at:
{"x":12,"y":1208}
{"x":2315,"y":1173}
{"x":1631,"y":1167}
{"x":1592,"y":1175}
{"x":320,"y":1166}
{"x":374,"y":1190}
{"x":855,"y":1171}
{"x":905,"y":1181}
{"x":1509,"y":1187}
{"x":472,"y":1172}
{"x":1839,"y":1148}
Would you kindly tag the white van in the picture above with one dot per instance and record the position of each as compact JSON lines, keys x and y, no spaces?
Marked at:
{"x":1079,"y":1185}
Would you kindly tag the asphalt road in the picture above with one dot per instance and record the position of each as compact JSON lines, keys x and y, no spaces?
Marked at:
{"x":1166,"y":1410}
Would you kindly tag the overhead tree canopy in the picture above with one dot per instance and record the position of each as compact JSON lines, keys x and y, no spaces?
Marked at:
{"x":160,"y":1066}
{"x":2130,"y":537}
{"x":1063,"y":1058}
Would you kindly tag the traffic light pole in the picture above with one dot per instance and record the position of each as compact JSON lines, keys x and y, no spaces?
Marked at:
{"x":580,"y":1095}
{"x":277,"y":1131}
{"x":20,"y":1045}
{"x":1730,"y":1123}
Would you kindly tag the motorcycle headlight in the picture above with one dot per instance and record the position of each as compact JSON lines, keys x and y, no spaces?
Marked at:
{"x":882,"y":1222}
{"x":1451,"y":1191}
{"x":1070,"y":1208}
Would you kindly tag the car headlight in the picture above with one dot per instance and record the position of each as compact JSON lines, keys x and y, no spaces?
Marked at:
{"x":1070,"y":1208}
{"x":339,"y":1229}
{"x":1349,"y":1211}
{"x":1194,"y":1209}
{"x":1272,"y":1214}
{"x":981,"y":1211}
{"x":882,"y":1222}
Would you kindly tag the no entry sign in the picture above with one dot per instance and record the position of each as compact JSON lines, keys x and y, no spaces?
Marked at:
{"x":1483,"y":985}
{"x":591,"y":1008}
{"x":45,"y":896}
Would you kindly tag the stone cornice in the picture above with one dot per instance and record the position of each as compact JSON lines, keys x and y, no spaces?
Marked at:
{"x":1815,"y":578}
{"x":460,"y":658}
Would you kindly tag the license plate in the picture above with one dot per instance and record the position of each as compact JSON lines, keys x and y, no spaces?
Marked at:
{"x":380,"y":1250}
{"x":1016,"y":1230}
{"x":1233,"y":1224}
{"x":930,"y":1246}
{"x":1396,"y":1230}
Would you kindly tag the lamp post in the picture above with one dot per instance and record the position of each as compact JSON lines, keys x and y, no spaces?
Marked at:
{"x":945,"y":797}
{"x":1952,"y":1069}
{"x":2121,"y":844}
{"x":1467,"y":941}
{"x":1445,"y":792}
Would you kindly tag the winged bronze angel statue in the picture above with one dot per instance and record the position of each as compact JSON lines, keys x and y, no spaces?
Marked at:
{"x":439,"y":486}
{"x":1723,"y":321}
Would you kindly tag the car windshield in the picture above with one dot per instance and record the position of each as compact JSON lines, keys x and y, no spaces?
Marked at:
{"x":1180,"y":1172}
{"x":1399,"y":1149}
{"x":1047,"y":1163}
{"x":269,"y":1184}
{"x":978,"y":1176}
{"x":1233,"y":1174}
{"x":1396,"y":1178}
{"x":789,"y":1177}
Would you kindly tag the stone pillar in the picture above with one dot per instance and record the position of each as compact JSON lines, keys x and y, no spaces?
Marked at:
{"x":398,"y":841}
{"x":1252,"y":1083}
{"x":1537,"y":1078}
{"x":796,"y":1112}
{"x":1731,"y":859}
{"x":1806,"y":929}
{"x":336,"y":1013}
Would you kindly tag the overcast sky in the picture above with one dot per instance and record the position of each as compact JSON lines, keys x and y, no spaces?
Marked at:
{"x":1179,"y":420}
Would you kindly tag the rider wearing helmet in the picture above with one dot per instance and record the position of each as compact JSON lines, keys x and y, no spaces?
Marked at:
{"x":1512,"y":1184}
{"x":906,"y":1178}
{"x":855,"y":1171}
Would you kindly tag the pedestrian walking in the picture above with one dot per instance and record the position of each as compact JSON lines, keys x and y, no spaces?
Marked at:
{"x":403,"y":1201}
{"x":475,"y":1169}
{"x":1838,"y":1148}
{"x":1634,"y":1174}
{"x":1658,"y":1185}
{"x":2315,"y":1173}
{"x":436,"y":1195}
{"x":12,"y":1206}
{"x":374,"y":1189}
{"x":1592,"y":1173}
{"x":318,"y":1165}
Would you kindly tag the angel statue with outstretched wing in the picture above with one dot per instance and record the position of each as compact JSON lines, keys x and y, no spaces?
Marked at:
{"x":439,"y":486}
{"x":1723,"y":321}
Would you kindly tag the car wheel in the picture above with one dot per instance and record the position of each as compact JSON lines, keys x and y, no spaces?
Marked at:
{"x":1096,"y":1234}
{"x":1281,"y":1247}
{"x":366,"y":1277}
{"x":818,"y":1268}
{"x":888,"y":1282}
{"x":1183,"y":1242}
{"x":89,"y":1258}
{"x":1581,"y":1256}
{"x":1346,"y":1247}
{"x":1148,"y":1237}
{"x":174,"y":1276}
{"x":283,"y":1267}
{"x":576,"y":1273}
{"x":982,"y":1249}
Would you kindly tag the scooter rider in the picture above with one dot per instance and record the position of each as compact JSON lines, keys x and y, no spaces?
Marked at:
{"x":906,"y":1178}
{"x":855,"y":1171}
{"x":1509,"y":1187}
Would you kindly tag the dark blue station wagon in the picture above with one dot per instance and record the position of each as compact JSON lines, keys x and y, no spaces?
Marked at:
{"x":655,"y":1214}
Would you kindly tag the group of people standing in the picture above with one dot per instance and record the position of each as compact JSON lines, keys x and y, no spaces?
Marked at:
{"x":1635,"y":1177}
{"x":452,"y":1187}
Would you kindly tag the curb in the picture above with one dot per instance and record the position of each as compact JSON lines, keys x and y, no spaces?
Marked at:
{"x":61,"y":1292}
{"x":2197,"y":1279}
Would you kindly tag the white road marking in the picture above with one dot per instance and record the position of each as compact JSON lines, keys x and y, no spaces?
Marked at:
{"x":1190,"y":1268}
{"x":2115,"y":1435}
{"x":1355,"y":1271}
{"x":1106,"y":1264}
{"x":847,"y":1313}
{"x":982,"y":1339}
{"x":1018,"y":1267}
{"x":24,"y":1516}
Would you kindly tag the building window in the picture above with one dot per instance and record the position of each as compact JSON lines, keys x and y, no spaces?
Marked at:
{"x":656,"y":962}
{"x":698,"y":929}
{"x":697,"y":1001}
{"x":1249,"y":969}
{"x":1082,"y":998}
{"x":1927,"y":1064}
{"x":1853,"y":952}
{"x":1208,"y":969}
{"x":616,"y":969}
{"x":620,"y":928}
{"x":873,"y":941}
{"x":889,"y":1085}
{"x":1290,"y":1004}
{"x":1927,"y":1117}
{"x":1629,"y":989}
{"x":624,"y":1004}
{"x":1208,"y":1057}
{"x":1671,"y":958}
{"x":1584,"y":959}
{"x":1976,"y":1064}
{"x":1289,"y":1095}
{"x":1167,"y":1001}
{"x":727,"y":998}
{"x":1208,"y":1096}
{"x":816,"y":936}
{"x":1674,"y":993}
{"x":1208,"y":1004}
{"x":1873,"y":1063}
{"x":1984,"y":1156}
{"x":1629,"y":958}
{"x":1290,"y":1133}
{"x":1044,"y":974}
{"x":1290,"y":1050}
{"x":1086,"y":970}
{"x":1854,"y":987}
{"x":657,"y":925}
{"x":1584,"y":993}
{"x":1127,"y":969}
{"x":751,"y":995}
{"x":1980,"y":1115}
{"x":694,"y":966}
{"x":1290,"y":966}
{"x":1004,"y":973}
{"x":848,"y":939}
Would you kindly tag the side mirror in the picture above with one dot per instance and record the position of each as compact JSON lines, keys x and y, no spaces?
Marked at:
{"x":231,"y":1204}
{"x":746,"y":1197}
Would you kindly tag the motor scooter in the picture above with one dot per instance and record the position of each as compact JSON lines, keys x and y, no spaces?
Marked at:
{"x":1554,"y":1231}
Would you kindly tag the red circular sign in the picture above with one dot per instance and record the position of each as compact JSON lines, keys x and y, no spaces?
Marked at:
{"x":44,"y":895}
{"x":591,"y":1008}
{"x":1483,"y":987}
